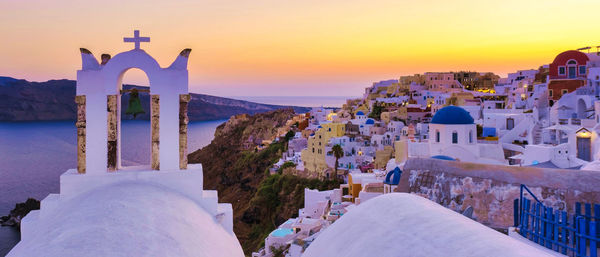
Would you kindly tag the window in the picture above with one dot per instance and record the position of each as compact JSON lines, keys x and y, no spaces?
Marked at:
{"x":564,"y":92}
{"x":561,"y":70}
{"x":510,"y":123}
{"x":437,"y":136}
{"x":455,"y":137}
{"x":550,"y":92}
{"x":470,"y":136}
{"x":581,"y":69}
{"x":572,"y":62}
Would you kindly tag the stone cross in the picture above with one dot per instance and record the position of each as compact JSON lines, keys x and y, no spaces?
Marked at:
{"x":136,"y":39}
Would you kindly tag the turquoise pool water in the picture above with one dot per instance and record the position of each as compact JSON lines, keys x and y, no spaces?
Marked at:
{"x":282,"y":232}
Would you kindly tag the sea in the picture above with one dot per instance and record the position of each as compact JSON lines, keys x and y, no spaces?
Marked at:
{"x":33,"y":155}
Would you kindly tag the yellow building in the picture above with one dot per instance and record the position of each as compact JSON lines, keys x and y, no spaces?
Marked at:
{"x":393,"y":89}
{"x":383,"y":156}
{"x":356,"y":182}
{"x":401,"y":151}
{"x":403,"y":89}
{"x":354,"y":186}
{"x":417,"y":78}
{"x":402,"y":113}
{"x":459,"y":98}
{"x":430,"y":102}
{"x":313,"y":157}
{"x":333,"y":129}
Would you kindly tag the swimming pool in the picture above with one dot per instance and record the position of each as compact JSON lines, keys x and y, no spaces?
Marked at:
{"x":282,"y":232}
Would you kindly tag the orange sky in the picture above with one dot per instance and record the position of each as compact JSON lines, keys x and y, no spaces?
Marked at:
{"x":309,"y":47}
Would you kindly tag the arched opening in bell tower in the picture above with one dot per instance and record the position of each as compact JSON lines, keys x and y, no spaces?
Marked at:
{"x":134,"y":112}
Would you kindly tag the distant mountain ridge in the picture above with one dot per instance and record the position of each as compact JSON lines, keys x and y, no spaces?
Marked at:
{"x":22,"y":100}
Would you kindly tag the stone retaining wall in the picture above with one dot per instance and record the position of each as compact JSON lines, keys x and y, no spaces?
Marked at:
{"x":491,"y":189}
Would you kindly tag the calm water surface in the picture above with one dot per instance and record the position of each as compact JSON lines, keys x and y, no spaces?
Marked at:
{"x":33,"y":155}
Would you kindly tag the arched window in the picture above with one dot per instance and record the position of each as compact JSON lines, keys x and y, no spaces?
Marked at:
{"x":470,"y":136}
{"x":455,"y":137}
{"x":572,"y":69}
{"x":437,"y":136}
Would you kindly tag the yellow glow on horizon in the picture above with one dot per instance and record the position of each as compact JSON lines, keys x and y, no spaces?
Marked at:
{"x":296,"y":48}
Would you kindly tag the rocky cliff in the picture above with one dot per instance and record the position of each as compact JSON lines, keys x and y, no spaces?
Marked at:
{"x":20,"y":210}
{"x":22,"y":100}
{"x":239,"y":172}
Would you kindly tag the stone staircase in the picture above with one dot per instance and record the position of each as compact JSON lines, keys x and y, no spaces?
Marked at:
{"x":536,"y":133}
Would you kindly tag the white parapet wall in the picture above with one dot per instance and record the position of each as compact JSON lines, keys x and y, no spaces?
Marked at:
{"x":188,"y":183}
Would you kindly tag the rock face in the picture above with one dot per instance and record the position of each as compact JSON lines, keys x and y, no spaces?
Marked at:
{"x":21,"y":100}
{"x":20,"y":210}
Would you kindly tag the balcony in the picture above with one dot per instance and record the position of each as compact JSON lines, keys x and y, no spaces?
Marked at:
{"x":585,"y":91}
{"x":577,"y":122}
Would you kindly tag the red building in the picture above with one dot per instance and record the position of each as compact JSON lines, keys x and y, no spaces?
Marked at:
{"x":567,"y":72}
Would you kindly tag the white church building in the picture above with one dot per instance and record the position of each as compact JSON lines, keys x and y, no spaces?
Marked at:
{"x":452,"y":135}
{"x":104,"y":209}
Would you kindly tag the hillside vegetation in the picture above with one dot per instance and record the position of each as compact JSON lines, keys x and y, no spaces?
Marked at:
{"x":239,"y":172}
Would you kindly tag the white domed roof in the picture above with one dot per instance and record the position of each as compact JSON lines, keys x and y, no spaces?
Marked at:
{"x":594,"y":166}
{"x":400,"y":224}
{"x":129,"y":219}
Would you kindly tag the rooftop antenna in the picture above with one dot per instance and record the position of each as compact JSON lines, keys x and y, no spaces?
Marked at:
{"x":585,"y":48}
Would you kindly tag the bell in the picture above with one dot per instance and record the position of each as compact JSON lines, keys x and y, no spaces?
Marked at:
{"x":134,"y":106}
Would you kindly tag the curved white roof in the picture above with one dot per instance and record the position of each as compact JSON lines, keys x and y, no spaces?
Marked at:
{"x":594,"y":166}
{"x":129,"y":219}
{"x":400,"y":224}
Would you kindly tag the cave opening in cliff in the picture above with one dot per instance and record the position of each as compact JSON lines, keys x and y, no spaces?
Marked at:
{"x":134,"y":110}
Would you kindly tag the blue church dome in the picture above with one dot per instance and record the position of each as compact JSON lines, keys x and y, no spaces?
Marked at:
{"x":360,"y":113}
{"x":393,"y":177}
{"x":452,"y":115}
{"x":370,"y":121}
{"x":443,"y":157}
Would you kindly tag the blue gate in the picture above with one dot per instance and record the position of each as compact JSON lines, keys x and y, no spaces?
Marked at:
{"x":573,"y":235}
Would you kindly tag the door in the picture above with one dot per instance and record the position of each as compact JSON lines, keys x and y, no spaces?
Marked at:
{"x":572,"y":72}
{"x":584,"y":148}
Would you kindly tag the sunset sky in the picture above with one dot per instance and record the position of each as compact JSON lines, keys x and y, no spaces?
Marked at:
{"x":309,"y":47}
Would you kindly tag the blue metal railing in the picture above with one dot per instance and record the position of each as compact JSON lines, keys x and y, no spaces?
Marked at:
{"x":573,"y":235}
